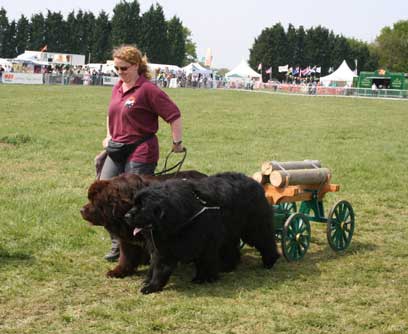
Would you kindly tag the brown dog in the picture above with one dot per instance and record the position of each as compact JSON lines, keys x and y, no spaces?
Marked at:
{"x":110,"y":200}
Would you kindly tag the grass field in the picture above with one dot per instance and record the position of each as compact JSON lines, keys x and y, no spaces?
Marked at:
{"x":52,"y":272}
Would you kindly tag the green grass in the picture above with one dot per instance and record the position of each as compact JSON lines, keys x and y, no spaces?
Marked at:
{"x":51,"y":266}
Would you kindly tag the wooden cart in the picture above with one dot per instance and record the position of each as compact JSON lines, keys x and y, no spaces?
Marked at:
{"x":292,"y":224}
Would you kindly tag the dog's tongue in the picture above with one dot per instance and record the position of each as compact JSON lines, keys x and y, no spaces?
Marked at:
{"x":136,"y":231}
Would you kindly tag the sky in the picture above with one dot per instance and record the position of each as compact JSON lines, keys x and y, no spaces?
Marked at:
{"x":229,"y":27}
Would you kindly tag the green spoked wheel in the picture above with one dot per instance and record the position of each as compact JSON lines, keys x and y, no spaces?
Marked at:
{"x":296,"y":237}
{"x":288,"y":208}
{"x":340,"y":225}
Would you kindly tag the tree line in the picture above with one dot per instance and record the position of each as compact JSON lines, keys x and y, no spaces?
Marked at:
{"x":318,"y":46}
{"x":164,"y":41}
{"x":169,"y":42}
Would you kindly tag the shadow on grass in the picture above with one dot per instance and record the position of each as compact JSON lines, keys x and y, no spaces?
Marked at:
{"x":250,"y":275}
{"x":7,"y":258}
{"x":326,"y":253}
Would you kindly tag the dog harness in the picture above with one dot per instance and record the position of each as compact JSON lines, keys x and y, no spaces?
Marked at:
{"x":201,"y":211}
{"x":205,"y":208}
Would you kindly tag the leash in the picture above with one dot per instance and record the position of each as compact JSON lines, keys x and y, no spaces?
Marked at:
{"x":178,"y":165}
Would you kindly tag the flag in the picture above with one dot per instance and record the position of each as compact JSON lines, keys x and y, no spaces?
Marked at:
{"x":312,"y":70}
{"x":260,"y":66}
{"x":330,"y":69}
{"x":269,"y":70}
{"x":290,"y":70}
{"x":305,"y":71}
{"x":44,"y":48}
{"x":319,"y":69}
{"x":283,"y":68}
{"x":295,"y":71}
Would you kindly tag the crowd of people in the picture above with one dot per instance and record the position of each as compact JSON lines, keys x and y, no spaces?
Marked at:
{"x":93,"y":75}
{"x":164,"y":78}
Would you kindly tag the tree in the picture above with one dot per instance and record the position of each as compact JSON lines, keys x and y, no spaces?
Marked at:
{"x":22,"y":35}
{"x":55,"y":32}
{"x":360,"y":51}
{"x":74,"y":28}
{"x":190,"y":47}
{"x":154,"y":41}
{"x":37,"y":32}
{"x":87,"y":35}
{"x":340,"y":51}
{"x":292,"y":50}
{"x":11,"y":51}
{"x":316,"y":50}
{"x":126,"y":23}
{"x":270,"y":49}
{"x":177,"y":43}
{"x":392,"y":47}
{"x":300,"y":47}
{"x":4,"y":28}
{"x":102,"y":41}
{"x":260,"y":52}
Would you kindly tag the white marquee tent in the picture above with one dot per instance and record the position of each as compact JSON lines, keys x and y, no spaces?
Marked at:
{"x":242,"y":71}
{"x":172,"y":68}
{"x":196,"y":68}
{"x":341,"y":77}
{"x":5,"y":63}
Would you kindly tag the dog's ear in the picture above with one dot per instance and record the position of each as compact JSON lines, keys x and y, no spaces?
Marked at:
{"x":96,"y":188}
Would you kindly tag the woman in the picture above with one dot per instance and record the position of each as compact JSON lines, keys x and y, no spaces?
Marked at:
{"x":134,"y":109}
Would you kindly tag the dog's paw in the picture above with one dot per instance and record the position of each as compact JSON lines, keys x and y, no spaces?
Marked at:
{"x":150,"y":288}
{"x":114,"y":273}
{"x":269,"y":263}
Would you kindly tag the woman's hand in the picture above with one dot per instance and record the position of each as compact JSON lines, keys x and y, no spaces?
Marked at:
{"x":105,"y":141}
{"x":178,"y":147}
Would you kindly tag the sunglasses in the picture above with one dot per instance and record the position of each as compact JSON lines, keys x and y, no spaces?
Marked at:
{"x":122,"y":68}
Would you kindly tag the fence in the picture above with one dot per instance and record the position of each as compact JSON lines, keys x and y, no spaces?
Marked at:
{"x":88,"y":79}
{"x":334,"y":91}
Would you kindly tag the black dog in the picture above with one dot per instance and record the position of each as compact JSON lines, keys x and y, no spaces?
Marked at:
{"x":202,"y":221}
{"x":110,"y":200}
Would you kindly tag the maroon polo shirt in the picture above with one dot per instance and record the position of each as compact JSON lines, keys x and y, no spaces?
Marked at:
{"x":135,"y":114}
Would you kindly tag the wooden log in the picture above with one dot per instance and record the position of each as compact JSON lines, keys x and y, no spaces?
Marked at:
{"x":285,"y":178}
{"x":260,"y":178}
{"x":269,"y":166}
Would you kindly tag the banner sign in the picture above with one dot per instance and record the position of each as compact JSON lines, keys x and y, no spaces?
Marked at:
{"x":110,"y":81}
{"x":23,"y":78}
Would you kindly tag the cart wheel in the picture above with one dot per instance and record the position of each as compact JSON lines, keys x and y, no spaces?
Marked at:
{"x":288,"y":207}
{"x":340,"y":225}
{"x":295,"y":237}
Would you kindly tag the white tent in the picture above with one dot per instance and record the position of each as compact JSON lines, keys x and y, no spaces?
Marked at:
{"x":6,"y":64}
{"x":242,"y":71}
{"x":172,"y":68}
{"x":196,"y":68}
{"x":30,"y":58}
{"x":341,"y":77}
